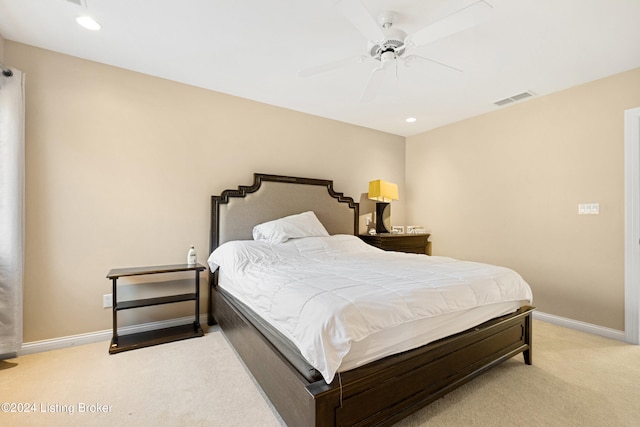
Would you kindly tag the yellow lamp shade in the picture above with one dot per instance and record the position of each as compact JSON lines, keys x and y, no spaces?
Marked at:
{"x":382,"y":191}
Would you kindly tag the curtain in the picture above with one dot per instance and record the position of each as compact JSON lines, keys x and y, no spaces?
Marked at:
{"x":11,"y":211}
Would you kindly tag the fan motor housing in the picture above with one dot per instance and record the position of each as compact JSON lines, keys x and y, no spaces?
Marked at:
{"x":393,"y":42}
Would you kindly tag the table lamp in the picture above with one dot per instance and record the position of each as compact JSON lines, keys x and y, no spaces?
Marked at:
{"x":383,"y":192}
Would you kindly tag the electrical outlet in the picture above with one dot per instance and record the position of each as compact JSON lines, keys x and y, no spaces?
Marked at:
{"x":107,"y":300}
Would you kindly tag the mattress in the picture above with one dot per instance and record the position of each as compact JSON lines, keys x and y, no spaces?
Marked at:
{"x":344,"y":303}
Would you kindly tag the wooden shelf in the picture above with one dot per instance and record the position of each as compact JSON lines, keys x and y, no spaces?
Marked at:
{"x":136,"y":303}
{"x":154,"y":337}
{"x":115,"y":273}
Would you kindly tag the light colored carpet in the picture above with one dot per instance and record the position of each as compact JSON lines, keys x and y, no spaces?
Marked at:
{"x":577,"y":380}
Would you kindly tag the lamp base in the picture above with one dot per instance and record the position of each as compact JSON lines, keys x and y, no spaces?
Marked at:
{"x":383,"y":217}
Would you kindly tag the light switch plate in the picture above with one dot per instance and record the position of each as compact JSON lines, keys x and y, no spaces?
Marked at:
{"x":588,"y":208}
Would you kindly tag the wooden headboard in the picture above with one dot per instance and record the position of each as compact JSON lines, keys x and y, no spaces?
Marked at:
{"x":235,"y":212}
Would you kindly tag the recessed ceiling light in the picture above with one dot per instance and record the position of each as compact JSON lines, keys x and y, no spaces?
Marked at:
{"x":88,"y":22}
{"x":410,"y":119}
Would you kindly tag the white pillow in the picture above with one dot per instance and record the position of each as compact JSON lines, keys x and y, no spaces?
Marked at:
{"x":304,"y":224}
{"x":234,"y":256}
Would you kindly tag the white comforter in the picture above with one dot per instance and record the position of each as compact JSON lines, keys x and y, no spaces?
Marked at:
{"x":324,"y":293}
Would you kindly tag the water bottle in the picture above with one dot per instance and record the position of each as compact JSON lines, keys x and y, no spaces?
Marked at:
{"x":191,"y":256}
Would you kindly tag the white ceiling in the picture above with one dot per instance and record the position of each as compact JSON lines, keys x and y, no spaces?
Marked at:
{"x":255,"y":48}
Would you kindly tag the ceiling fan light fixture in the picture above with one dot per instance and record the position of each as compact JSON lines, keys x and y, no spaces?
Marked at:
{"x":388,"y":55}
{"x":410,"y":120}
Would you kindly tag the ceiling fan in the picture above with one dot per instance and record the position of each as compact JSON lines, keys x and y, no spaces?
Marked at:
{"x":388,"y":44}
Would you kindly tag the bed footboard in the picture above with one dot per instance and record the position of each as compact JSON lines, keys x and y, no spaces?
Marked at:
{"x":417,"y":378}
{"x":381,"y":392}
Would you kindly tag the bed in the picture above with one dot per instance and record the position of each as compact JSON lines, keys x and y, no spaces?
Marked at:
{"x":378,"y":392}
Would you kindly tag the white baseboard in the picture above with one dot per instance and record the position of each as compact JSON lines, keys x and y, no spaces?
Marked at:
{"x":580,"y":326}
{"x":105,"y":335}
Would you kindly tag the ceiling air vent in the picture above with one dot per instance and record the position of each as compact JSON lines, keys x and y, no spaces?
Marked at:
{"x":514,"y":98}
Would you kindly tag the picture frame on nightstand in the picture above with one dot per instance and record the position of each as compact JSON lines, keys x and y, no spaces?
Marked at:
{"x":397,"y":229}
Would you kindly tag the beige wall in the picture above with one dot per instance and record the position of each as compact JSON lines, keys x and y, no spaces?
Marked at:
{"x":121,"y":166}
{"x":504,"y":188}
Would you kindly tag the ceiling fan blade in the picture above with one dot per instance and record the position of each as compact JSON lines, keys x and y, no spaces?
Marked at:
{"x":463,"y":19}
{"x":411,"y":58}
{"x":375,"y":81}
{"x":340,"y":63}
{"x":360,"y":18}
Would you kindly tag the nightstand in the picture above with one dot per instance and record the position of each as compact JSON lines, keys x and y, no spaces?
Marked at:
{"x":159,"y":336}
{"x":411,"y":243}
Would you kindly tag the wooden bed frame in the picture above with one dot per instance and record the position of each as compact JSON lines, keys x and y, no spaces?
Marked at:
{"x":379,"y":393}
